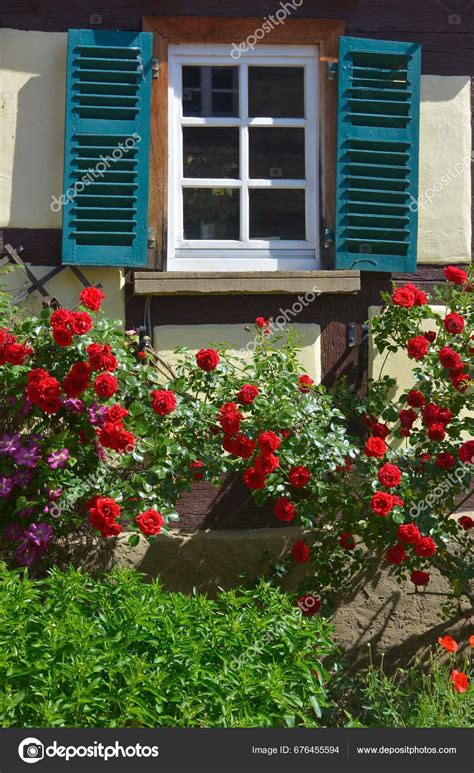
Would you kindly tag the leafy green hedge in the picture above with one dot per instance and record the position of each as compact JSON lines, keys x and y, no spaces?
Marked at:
{"x":79,"y":652}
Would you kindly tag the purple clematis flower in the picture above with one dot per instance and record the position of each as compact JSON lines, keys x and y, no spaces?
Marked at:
{"x":9,"y":444}
{"x":13,"y":532}
{"x":58,"y":459}
{"x":28,"y":457}
{"x":21,"y":477}
{"x":39,"y":533}
{"x":27,"y":553}
{"x":97,"y":414}
{"x":54,"y":494}
{"x":74,"y":405}
{"x":6,"y":486}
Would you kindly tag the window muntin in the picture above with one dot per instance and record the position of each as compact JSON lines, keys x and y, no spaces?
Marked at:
{"x":243,"y":187}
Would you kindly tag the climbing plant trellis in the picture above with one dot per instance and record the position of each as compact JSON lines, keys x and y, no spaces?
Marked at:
{"x":35,"y":283}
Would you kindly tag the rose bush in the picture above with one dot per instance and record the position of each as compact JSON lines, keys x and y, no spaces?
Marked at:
{"x":98,"y":429}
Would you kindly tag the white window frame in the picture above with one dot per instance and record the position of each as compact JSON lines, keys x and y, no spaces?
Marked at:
{"x":248,"y":254}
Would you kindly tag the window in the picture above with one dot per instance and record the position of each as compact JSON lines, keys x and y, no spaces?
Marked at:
{"x":243,"y":159}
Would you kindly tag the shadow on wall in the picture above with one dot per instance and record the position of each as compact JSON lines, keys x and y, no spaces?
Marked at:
{"x":398,"y":623}
{"x":32,"y":94}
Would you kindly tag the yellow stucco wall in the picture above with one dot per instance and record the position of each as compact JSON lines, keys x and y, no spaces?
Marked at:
{"x":397,"y":365}
{"x":32,"y":103}
{"x":167,"y":337}
{"x":66,"y":288}
{"x":32,"y":100}
{"x":444,"y":200}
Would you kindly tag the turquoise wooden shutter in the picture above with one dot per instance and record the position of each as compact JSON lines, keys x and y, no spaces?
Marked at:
{"x":105,"y":213}
{"x":377,"y":155}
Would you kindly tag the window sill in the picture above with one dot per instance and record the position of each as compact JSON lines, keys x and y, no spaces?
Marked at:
{"x":251,"y":282}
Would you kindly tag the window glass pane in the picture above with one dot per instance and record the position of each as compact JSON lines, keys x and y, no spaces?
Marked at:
{"x":210,"y":91}
{"x":211,"y":213}
{"x":210,"y":152}
{"x":277,"y":214}
{"x":276,"y":92}
{"x":277,"y":153}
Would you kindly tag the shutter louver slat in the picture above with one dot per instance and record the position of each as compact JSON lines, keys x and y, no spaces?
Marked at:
{"x":107,"y":148}
{"x":377,"y":155}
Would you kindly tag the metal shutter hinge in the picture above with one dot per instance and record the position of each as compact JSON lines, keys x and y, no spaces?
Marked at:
{"x":328,"y":237}
{"x":333,"y":69}
{"x":151,"y":243}
{"x":155,"y":68}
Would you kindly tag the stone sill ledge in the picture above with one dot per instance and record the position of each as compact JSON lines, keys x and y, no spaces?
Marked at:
{"x":252,"y":282}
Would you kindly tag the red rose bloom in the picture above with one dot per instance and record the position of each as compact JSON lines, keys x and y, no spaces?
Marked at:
{"x":262,"y":322}
{"x":115,"y":414}
{"x":92,"y":297}
{"x":420,"y":297}
{"x":300,"y":551}
{"x":436,"y":414}
{"x":409,"y":533}
{"x":404,"y":296}
{"x":436,"y":431}
{"x":376,"y":447}
{"x":105,"y":385}
{"x":207,"y":359}
{"x":460,"y":381}
{"x":80,"y":322}
{"x":379,"y":429}
{"x":466,"y":452}
{"x":419,"y":578}
{"x":466,"y":522}
{"x":247,"y":394}
{"x":460,"y":681}
{"x":77,"y":380}
{"x":381,"y":503}
{"x":101,"y":357}
{"x":448,"y":358}
{"x":239,"y":445}
{"x":16,"y":354}
{"x":415,"y":399}
{"x":407,"y":418}
{"x":309,"y":604}
{"x":395,"y":555}
{"x":114,"y":436}
{"x":254,"y":479}
{"x":62,"y":336}
{"x":150,"y":522}
{"x":346,"y":541}
{"x":305,"y":383}
{"x":266,"y":464}
{"x":163,"y":401}
{"x":444,"y":461}
{"x":196,"y":466}
{"x":453,"y":323}
{"x":430,"y":336}
{"x":268,"y":442}
{"x":425,"y":547}
{"x":103,"y":511}
{"x":299,"y":476}
{"x":389,"y":475}
{"x":60,"y":318}
{"x":284,"y":509}
{"x":455,"y":275}
{"x":448,"y":643}
{"x":230,"y":423}
{"x":417,"y":347}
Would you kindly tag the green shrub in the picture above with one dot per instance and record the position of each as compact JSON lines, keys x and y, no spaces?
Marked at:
{"x":118,"y":653}
{"x":419,"y":696}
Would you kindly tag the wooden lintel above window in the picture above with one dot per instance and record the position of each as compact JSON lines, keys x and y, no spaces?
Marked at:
{"x":255,"y":283}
